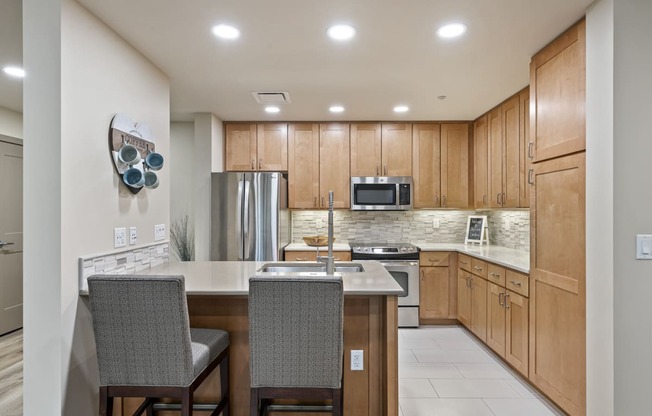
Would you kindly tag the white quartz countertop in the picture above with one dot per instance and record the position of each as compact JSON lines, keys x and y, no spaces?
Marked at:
{"x":306,"y":247}
{"x":514,"y":259}
{"x":232,"y":277}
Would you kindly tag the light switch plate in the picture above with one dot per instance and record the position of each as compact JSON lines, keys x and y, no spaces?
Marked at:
{"x":643,"y":247}
{"x":159,"y":232}
{"x":119,"y":237}
{"x":133,"y":235}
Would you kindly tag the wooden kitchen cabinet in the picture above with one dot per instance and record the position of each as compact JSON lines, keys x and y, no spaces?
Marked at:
{"x":472,"y":296}
{"x":334,"y":166}
{"x":366,"y":149}
{"x":496,"y":318}
{"x":558,"y":93}
{"x":479,"y":307}
{"x":480,"y":162}
{"x":381,"y":149}
{"x":558,"y":281}
{"x":257,"y":147}
{"x":312,"y":255}
{"x":438,"y":286}
{"x":426,"y":167}
{"x":456,"y":166}
{"x":526,"y":152}
{"x":517,"y":331}
{"x":464,"y":290}
{"x":505,"y":150}
{"x":303,"y":166}
{"x":318,"y":164}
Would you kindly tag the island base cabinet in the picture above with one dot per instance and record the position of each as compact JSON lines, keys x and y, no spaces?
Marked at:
{"x":370,"y":324}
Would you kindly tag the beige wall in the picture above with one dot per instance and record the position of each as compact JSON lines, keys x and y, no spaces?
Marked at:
{"x":88,"y":198}
{"x":181,"y":163}
{"x":11,"y":123}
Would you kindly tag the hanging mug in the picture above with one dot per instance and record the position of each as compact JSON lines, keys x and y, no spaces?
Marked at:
{"x":134,"y":177}
{"x":154,"y":161}
{"x":151,"y":180}
{"x":129,"y":155}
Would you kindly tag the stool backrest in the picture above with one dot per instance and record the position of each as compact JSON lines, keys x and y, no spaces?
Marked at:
{"x":142,"y":331}
{"x":296,"y":331}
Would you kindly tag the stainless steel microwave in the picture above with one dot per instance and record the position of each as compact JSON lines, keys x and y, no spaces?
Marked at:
{"x":388,"y":193}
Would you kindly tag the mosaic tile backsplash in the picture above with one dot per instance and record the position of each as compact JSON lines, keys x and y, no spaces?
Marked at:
{"x":123,"y":262}
{"x":506,"y":228}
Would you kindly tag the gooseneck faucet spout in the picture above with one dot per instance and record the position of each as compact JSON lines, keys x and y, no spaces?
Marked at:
{"x":330,"y":262}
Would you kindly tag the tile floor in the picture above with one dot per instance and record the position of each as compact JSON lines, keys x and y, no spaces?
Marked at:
{"x":444,"y":371}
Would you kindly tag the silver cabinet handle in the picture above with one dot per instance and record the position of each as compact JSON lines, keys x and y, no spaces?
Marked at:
{"x":515,"y":283}
{"x":301,"y":258}
{"x":315,"y":201}
{"x":385,"y":170}
{"x":443,"y":201}
{"x":253,"y":164}
{"x":498,"y":199}
{"x":436,"y":200}
{"x":484,"y":200}
{"x":500,"y":299}
{"x":464,"y":263}
{"x":4,"y":243}
{"x":260,"y":163}
{"x":496,"y":275}
{"x":322,"y":201}
{"x":530,"y":146}
{"x":477,"y":268}
{"x":530,"y":177}
{"x":377,"y":171}
{"x":507,"y":301}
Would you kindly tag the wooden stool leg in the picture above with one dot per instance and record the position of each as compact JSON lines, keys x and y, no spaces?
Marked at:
{"x":186,"y":402}
{"x":337,"y":402}
{"x":224,"y":384}
{"x":106,"y":402}
{"x":253,"y":402}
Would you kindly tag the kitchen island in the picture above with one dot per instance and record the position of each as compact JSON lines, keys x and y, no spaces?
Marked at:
{"x":217,"y":298}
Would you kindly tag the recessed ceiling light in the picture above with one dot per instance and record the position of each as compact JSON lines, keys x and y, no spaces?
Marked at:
{"x":341,"y":32}
{"x":272,"y":109}
{"x":14,"y":71}
{"x":401,"y":109}
{"x":226,"y":32}
{"x":451,"y":30}
{"x":336,"y":109}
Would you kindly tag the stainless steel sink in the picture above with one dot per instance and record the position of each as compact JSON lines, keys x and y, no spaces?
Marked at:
{"x":340,"y":267}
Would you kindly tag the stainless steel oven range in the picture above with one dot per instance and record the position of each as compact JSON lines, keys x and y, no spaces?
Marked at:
{"x":401,"y":261}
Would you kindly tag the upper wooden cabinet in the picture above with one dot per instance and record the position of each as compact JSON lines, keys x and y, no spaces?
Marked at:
{"x":257,"y":147}
{"x":558,"y":93}
{"x":318,"y":163}
{"x":480,"y":162}
{"x":456,"y":169}
{"x":381,"y":150}
{"x":334,"y":173}
{"x":303,"y":166}
{"x":505,"y":154}
{"x":525,"y":158}
{"x":426,"y":167}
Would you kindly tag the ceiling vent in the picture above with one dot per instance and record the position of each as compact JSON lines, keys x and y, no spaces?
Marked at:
{"x":271,"y":97}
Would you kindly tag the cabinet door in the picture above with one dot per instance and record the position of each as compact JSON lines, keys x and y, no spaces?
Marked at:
{"x":433,"y":292}
{"x":301,"y":256}
{"x":495,"y":122}
{"x":496,"y":318}
{"x":479,"y":308}
{"x":273,"y":147}
{"x":511,"y":118}
{"x":557,"y":281}
{"x":426,"y":168}
{"x":516,"y":335}
{"x":480,"y":162}
{"x":240,"y":147}
{"x":303,"y":166}
{"x":524,"y":187}
{"x":558,"y":85}
{"x":365,"y":149}
{"x":396,"y":153}
{"x":334,"y":174}
{"x":464,"y":297}
{"x":456,"y":166}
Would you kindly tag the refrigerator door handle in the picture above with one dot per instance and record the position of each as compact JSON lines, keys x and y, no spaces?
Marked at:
{"x":238,"y":222}
{"x":246,"y":227}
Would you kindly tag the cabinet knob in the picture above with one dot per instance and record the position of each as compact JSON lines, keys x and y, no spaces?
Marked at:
{"x":477,"y":268}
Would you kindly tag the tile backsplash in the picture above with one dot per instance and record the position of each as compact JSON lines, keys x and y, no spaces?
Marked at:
{"x":506,"y":228}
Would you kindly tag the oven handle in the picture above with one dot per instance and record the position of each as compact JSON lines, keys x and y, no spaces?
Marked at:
{"x":399,"y":262}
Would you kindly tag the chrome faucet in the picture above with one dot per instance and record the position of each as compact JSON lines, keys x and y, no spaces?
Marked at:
{"x":330,"y":261}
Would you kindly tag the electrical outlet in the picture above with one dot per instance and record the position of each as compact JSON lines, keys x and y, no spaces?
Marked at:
{"x":119,"y":237}
{"x":159,"y":232}
{"x":435,"y":223}
{"x":357,"y":360}
{"x":508,"y":223}
{"x":133,"y":236}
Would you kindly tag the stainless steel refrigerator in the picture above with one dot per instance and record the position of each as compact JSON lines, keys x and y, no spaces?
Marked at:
{"x":250,"y":219}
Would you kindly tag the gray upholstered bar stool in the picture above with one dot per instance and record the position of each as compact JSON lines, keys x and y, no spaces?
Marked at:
{"x":295,"y":340}
{"x":146,"y":348}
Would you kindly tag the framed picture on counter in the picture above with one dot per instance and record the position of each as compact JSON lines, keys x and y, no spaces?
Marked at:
{"x":476,"y":230}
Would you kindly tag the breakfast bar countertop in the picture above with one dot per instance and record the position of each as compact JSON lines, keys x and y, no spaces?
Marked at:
{"x":232,"y":277}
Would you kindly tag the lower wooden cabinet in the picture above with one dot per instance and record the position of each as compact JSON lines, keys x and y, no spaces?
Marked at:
{"x":312,"y":255}
{"x":496,"y":318}
{"x":479,"y":307}
{"x":437,"y":286}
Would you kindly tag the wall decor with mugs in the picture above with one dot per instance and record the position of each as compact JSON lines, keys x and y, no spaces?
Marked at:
{"x":134,"y":153}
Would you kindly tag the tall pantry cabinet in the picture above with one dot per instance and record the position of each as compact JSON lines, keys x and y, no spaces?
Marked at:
{"x":557,"y":221}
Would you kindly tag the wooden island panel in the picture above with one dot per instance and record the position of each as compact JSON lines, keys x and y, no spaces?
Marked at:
{"x":370,"y":324}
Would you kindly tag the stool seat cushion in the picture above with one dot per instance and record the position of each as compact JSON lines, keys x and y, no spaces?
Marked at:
{"x":206,"y":345}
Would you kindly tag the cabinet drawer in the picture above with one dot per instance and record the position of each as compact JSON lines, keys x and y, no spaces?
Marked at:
{"x":496,"y":274}
{"x":312,"y":255}
{"x":479,"y":267}
{"x":464,"y":262}
{"x":434,"y":258}
{"x":517,"y":282}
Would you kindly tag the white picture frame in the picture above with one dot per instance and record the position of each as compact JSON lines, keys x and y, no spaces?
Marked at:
{"x":476,"y":229}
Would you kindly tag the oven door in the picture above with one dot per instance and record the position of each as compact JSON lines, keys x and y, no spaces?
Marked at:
{"x":406,"y":274}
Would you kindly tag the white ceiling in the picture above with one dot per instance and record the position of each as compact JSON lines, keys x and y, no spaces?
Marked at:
{"x":395,"y":57}
{"x":11,"y":53}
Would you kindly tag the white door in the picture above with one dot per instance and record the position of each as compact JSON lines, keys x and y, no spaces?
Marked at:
{"x":11,"y":237}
